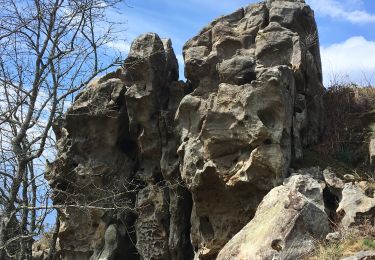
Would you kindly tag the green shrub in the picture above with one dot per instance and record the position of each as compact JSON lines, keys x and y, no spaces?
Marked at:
{"x":370,"y":243}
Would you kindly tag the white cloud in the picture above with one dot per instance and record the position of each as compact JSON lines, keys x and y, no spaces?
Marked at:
{"x":348,"y":10}
{"x":353,"y":59}
{"x":122,"y":46}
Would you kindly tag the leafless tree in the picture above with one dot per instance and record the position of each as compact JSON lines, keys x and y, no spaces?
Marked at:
{"x":49,"y":49}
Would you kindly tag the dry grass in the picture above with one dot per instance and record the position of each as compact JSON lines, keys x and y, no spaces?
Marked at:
{"x":350,"y":117}
{"x":353,"y":240}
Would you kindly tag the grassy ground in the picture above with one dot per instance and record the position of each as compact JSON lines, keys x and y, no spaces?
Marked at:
{"x":353,"y":240}
{"x":313,"y":157}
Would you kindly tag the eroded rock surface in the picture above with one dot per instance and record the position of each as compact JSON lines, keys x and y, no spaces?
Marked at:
{"x":150,"y":167}
{"x":357,"y":204}
{"x":111,"y":144}
{"x":247,"y":116}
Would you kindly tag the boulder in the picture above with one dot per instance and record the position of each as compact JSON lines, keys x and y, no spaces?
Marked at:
{"x":287,"y":223}
{"x":363,"y":255}
{"x":332,"y":180}
{"x":355,"y":205}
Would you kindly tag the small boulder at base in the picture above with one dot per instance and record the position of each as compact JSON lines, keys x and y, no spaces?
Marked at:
{"x":286,"y":224}
{"x":363,"y":255}
{"x":356,"y":205}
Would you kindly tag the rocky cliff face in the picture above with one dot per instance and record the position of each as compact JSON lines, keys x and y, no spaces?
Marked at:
{"x":150,"y":167}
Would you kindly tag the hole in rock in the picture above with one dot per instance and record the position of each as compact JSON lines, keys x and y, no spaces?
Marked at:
{"x":266,"y":20}
{"x":206,"y":227}
{"x":267,"y":142}
{"x":276,"y":245}
{"x":62,"y":186}
{"x":267,"y":117}
{"x":200,"y":164}
{"x":248,"y":77}
{"x":128,"y":147}
{"x":298,"y":110}
{"x":331,"y":203}
{"x":95,"y":225}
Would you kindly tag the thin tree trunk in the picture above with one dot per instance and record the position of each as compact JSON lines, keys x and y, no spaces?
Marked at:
{"x":27,"y":242}
{"x":52,"y":246}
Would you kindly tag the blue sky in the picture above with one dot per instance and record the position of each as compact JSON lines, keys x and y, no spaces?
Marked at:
{"x":346,"y":30}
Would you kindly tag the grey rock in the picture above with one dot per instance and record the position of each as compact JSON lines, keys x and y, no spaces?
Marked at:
{"x":332,"y":180}
{"x":151,"y":228}
{"x":363,"y":255}
{"x":110,"y":244}
{"x":248,"y":73}
{"x":315,"y":172}
{"x":335,"y":186}
{"x":333,"y":237}
{"x":117,"y":153}
{"x":355,"y":206}
{"x":349,"y":177}
{"x":189,"y":163}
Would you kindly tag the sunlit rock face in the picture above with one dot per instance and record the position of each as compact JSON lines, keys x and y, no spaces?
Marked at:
{"x":155,"y":168}
{"x":256,"y":100}
{"x":117,"y":158}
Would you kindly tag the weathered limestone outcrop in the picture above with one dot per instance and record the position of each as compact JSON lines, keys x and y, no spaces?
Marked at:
{"x":256,"y":100}
{"x":117,"y":161}
{"x":150,"y":167}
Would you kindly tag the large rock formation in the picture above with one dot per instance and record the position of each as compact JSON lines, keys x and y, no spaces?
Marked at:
{"x":256,"y":77}
{"x":150,"y":167}
{"x":117,"y":167}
